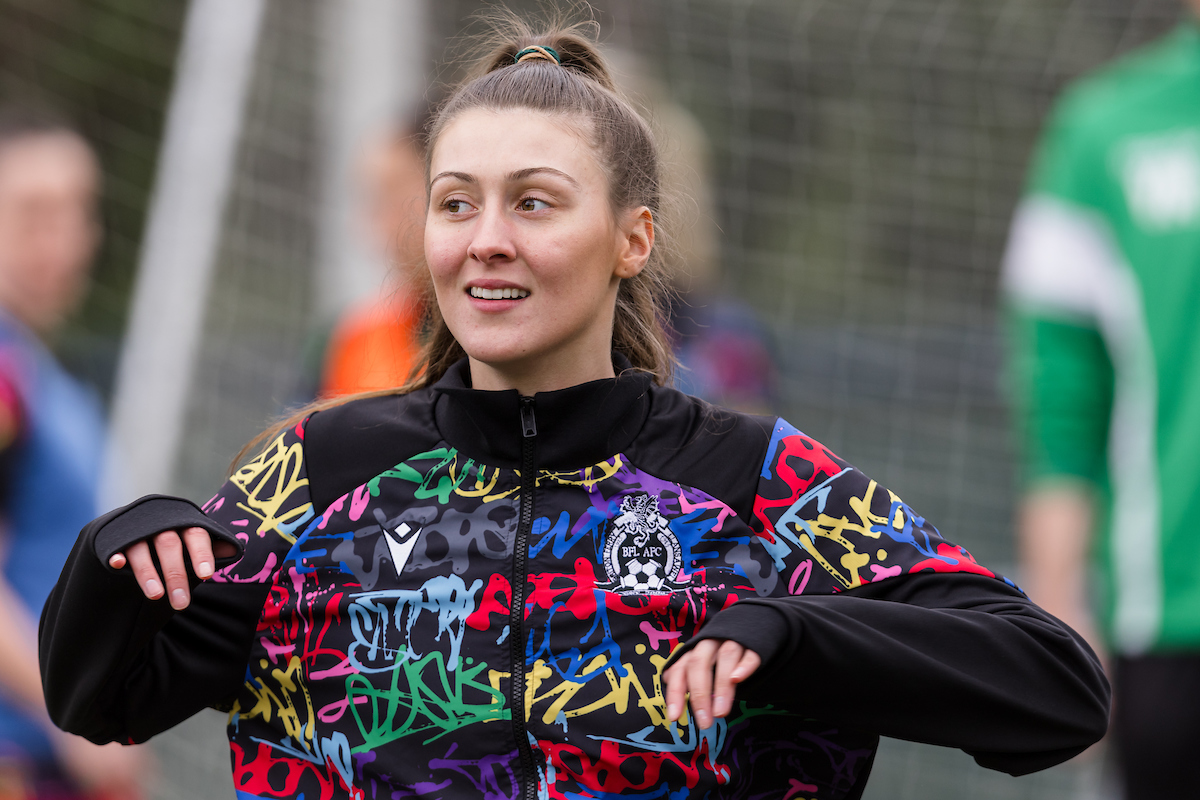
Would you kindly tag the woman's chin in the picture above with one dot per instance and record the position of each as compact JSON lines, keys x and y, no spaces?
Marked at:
{"x":493,"y":369}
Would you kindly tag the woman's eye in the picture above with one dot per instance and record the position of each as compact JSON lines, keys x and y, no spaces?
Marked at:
{"x":456,"y":206}
{"x":532,"y":204}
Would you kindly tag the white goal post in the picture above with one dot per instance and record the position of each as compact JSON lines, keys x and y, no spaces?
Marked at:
{"x":179,"y":246}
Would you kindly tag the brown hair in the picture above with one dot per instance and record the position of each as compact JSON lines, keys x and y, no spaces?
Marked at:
{"x":579,"y":85}
{"x":19,"y":122}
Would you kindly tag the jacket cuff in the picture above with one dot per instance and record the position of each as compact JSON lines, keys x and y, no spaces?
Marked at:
{"x":755,"y":627}
{"x":153,"y":514}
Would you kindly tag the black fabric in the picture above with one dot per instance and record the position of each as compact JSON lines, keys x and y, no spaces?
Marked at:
{"x":1156,"y":724}
{"x":856,"y":791}
{"x":17,"y":436}
{"x":153,"y":514}
{"x":700,"y":445}
{"x":98,"y":616}
{"x":669,"y":434}
{"x":9,"y":457}
{"x":349,"y":444}
{"x":1011,"y":723}
{"x":578,"y":426}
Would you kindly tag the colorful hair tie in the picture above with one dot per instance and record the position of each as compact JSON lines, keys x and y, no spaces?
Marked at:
{"x":537,"y":53}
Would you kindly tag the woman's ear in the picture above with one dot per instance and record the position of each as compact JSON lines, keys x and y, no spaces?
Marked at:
{"x":637,"y":240}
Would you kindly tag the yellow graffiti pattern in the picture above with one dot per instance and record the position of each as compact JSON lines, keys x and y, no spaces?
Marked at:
{"x":269,"y":482}
{"x":621,"y":691}
{"x":297,"y":718}
{"x":835,"y":530}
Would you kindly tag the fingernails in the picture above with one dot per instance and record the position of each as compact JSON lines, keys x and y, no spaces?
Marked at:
{"x":179,"y":599}
{"x":702,"y":718}
{"x":153,"y":589}
{"x":204,"y":569}
{"x":673,"y":711}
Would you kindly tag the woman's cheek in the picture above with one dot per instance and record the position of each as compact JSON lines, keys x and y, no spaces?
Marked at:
{"x":440,"y":255}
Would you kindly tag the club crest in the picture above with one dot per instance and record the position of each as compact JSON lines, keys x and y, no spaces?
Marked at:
{"x":642,"y":555}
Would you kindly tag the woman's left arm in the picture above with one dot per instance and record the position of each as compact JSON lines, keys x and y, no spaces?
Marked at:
{"x":959,"y":660}
{"x":121,"y":662}
{"x":887,"y":627}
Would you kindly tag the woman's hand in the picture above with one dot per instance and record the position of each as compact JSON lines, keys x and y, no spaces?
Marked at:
{"x":169,"y":548}
{"x":110,"y":770}
{"x":708,"y":672}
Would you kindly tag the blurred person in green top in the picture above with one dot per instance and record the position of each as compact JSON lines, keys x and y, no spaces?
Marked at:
{"x":1102,"y":280}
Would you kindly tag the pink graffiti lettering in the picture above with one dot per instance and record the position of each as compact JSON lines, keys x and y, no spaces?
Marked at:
{"x":795,"y":787}
{"x":656,"y":636}
{"x":276,"y":650}
{"x":723,"y":510}
{"x":885,"y":572}
{"x":358,"y":502}
{"x":802,"y":574}
{"x":334,"y":711}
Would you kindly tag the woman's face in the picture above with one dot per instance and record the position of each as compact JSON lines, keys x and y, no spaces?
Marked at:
{"x":524,"y":251}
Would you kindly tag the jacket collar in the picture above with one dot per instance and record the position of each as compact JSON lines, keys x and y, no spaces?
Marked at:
{"x":576,"y":427}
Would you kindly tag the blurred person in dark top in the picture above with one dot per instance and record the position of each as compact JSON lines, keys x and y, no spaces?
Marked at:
{"x":51,"y":437}
{"x":1103,"y":281}
{"x":726,"y":354}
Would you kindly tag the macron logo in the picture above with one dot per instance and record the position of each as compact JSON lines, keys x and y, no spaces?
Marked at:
{"x":400,"y":544}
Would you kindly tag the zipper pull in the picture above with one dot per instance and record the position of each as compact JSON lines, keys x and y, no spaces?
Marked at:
{"x":528,"y":423}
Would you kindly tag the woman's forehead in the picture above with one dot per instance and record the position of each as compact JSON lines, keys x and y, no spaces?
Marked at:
{"x":493,"y":143}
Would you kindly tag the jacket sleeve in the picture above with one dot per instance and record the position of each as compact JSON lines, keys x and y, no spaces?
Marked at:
{"x":891,"y":629}
{"x":119,"y":667}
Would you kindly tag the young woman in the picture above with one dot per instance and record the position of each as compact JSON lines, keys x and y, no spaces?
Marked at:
{"x":507,"y":579}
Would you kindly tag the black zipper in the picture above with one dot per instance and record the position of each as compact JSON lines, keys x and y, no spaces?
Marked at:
{"x":516,"y":618}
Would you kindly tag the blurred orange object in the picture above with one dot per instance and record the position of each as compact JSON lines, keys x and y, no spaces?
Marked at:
{"x":373,"y":347}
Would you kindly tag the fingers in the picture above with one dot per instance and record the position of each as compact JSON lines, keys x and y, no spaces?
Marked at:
{"x":707,"y":675}
{"x":700,"y":681}
{"x":676,"y":688}
{"x":729,"y":655}
{"x":746,"y":666}
{"x":169,"y":548}
{"x":691,"y":676}
{"x":200,"y":550}
{"x":143,"y":570}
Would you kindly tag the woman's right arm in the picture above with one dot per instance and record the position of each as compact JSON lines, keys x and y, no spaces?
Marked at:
{"x":120,"y":663}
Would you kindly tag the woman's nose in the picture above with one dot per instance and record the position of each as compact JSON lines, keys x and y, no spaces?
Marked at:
{"x":492,"y":240}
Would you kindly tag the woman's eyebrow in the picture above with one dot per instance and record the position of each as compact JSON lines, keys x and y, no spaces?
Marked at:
{"x":529,"y":172}
{"x":462,"y":176}
{"x":519,"y":175}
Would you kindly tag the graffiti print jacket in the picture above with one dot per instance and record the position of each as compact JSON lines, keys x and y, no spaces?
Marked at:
{"x":402,"y":558}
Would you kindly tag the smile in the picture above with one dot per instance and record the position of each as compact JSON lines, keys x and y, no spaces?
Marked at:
{"x":497,"y":294}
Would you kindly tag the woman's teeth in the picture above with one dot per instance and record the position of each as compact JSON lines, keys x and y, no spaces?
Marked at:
{"x":497,"y":294}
